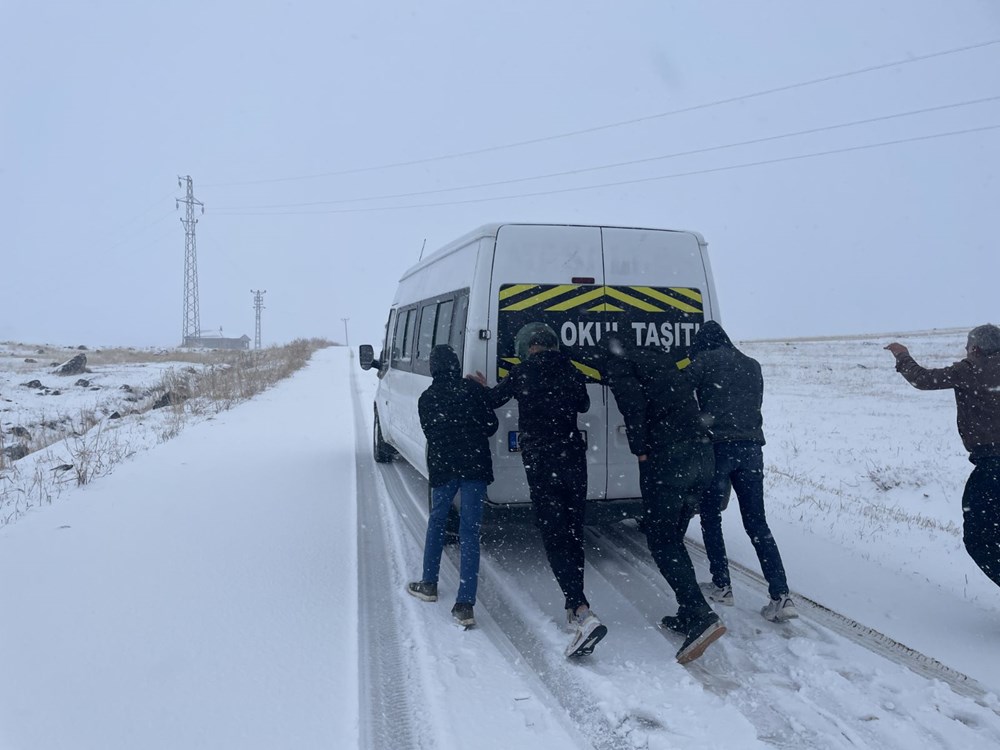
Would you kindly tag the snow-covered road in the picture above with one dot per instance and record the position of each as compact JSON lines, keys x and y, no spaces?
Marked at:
{"x":202,"y":596}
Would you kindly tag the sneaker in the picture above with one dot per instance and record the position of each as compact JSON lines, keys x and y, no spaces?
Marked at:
{"x":675,"y":624}
{"x":589,"y":631}
{"x":780,"y":609}
{"x":463,"y":615}
{"x":703,"y":632}
{"x":717,"y":594}
{"x":427,"y":592}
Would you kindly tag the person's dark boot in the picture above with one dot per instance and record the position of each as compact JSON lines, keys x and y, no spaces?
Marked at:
{"x":463,"y":615}
{"x":426,"y":592}
{"x":702,"y":632}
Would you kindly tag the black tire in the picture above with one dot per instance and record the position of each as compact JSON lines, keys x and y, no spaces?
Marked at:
{"x":452,"y":524}
{"x":383,"y":452}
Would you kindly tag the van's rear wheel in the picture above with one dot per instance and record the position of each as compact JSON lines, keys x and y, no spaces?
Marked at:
{"x":383,"y":452}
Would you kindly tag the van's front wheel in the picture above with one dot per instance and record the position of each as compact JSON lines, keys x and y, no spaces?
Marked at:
{"x":383,"y":452}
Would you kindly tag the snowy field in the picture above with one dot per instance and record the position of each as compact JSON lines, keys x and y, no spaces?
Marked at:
{"x":241,"y":586}
{"x":49,"y":405}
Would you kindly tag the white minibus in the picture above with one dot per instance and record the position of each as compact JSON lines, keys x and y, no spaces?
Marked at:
{"x":477,"y":292}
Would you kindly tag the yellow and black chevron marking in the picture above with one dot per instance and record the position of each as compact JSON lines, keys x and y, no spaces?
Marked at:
{"x":588,"y":298}
{"x":502,"y":371}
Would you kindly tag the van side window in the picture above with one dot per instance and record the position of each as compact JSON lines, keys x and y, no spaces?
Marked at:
{"x":414,"y":331}
{"x":402,"y":339}
{"x":386,"y":353}
{"x":442,"y":330}
{"x":459,"y":315}
{"x":426,"y":334}
{"x":407,"y":351}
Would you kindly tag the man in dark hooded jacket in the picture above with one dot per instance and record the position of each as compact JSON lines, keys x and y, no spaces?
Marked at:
{"x":666,"y":433}
{"x":550,"y":393}
{"x":730,"y":390}
{"x":976,"y":382}
{"x":457,"y":424}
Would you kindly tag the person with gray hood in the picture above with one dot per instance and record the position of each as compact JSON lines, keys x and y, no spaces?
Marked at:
{"x":976,"y":383}
{"x":730,"y":389}
{"x":458,"y":424}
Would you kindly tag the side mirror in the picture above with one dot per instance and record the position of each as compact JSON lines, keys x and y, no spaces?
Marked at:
{"x":366,"y":356}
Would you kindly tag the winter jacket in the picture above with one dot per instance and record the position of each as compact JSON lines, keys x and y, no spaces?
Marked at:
{"x":729,"y":386}
{"x":976,"y":382}
{"x":550,"y":392}
{"x":457,"y":423}
{"x":657,"y":400}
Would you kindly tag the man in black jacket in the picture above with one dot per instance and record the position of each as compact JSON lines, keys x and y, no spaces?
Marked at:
{"x":730,"y":390}
{"x":666,"y":433}
{"x":550,"y":392}
{"x":457,"y":424}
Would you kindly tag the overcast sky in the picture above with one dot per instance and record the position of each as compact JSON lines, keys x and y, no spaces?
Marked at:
{"x":281,"y":111}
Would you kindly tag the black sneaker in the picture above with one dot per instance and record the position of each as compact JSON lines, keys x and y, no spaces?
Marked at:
{"x":676,"y":623}
{"x":423,"y":590}
{"x":701,"y":634}
{"x":463,"y":615}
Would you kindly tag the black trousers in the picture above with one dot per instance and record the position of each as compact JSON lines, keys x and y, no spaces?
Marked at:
{"x":739,"y":466}
{"x":557,"y":478}
{"x":672,"y":482}
{"x":981,"y":515}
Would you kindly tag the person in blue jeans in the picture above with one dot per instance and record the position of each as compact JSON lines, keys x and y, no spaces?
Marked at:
{"x":730,"y":390}
{"x":457,"y":424}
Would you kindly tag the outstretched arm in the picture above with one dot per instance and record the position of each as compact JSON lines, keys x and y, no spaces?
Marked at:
{"x":926,"y":379}
{"x":499,"y":394}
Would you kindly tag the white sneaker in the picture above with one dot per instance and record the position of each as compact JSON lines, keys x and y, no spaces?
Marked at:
{"x":780,"y":609}
{"x":589,"y":631}
{"x":717,"y":594}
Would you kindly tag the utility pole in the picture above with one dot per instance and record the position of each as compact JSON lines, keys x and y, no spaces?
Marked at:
{"x":347,"y":341}
{"x":192,"y":315}
{"x":258,"y":305}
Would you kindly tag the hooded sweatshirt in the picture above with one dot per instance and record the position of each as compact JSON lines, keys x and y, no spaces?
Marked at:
{"x":729,"y":385}
{"x":456,"y":422}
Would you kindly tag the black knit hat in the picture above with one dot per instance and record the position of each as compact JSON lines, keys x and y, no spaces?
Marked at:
{"x":444,"y":362}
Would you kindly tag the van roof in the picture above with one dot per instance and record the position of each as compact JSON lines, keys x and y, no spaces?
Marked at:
{"x":490,"y":230}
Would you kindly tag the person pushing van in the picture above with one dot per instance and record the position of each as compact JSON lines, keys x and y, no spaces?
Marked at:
{"x":666,"y":433}
{"x":550,"y":392}
{"x":730,"y":390}
{"x":458,"y":424}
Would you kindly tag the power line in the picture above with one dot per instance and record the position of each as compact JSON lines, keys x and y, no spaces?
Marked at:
{"x":675,"y":175}
{"x":633,"y":162}
{"x":622,"y":123}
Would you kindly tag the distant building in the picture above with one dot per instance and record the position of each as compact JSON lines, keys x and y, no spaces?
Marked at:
{"x":217,"y":342}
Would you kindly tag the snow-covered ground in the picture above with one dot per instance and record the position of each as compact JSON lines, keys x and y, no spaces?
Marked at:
{"x":241,"y":586}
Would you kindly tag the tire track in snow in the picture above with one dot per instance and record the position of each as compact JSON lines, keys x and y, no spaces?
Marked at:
{"x":621,"y":553}
{"x":386,"y":712}
{"x":558,"y":687}
{"x":866,"y":637}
